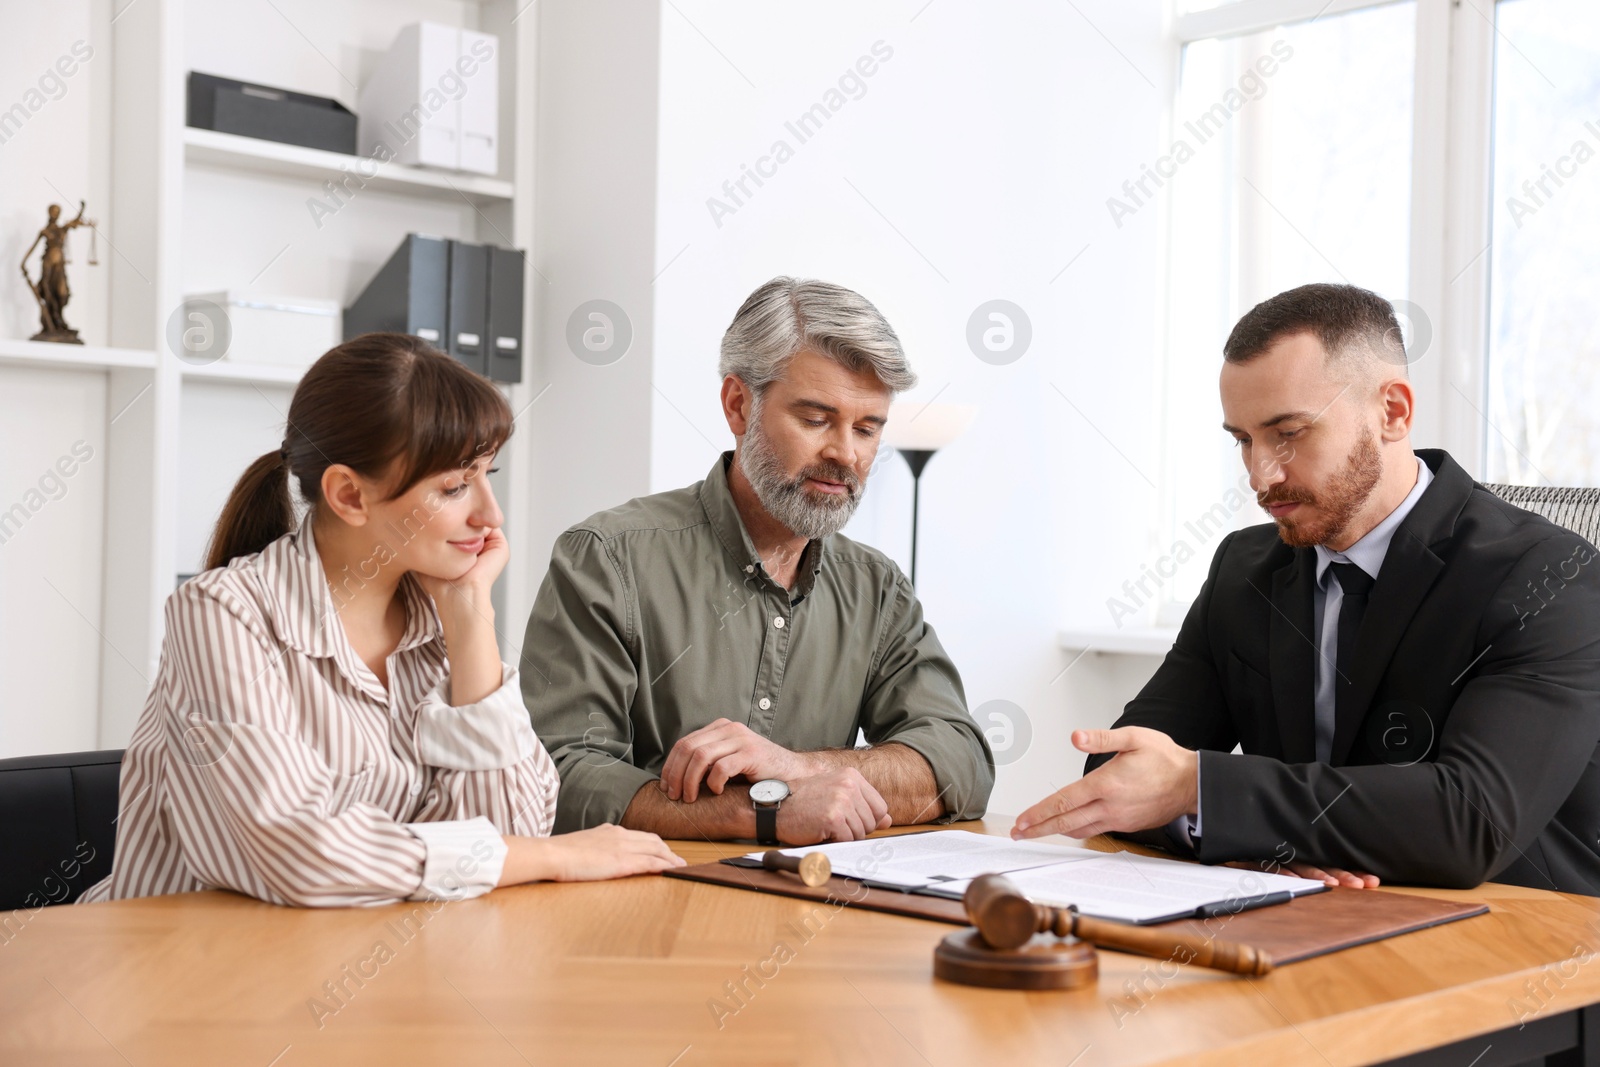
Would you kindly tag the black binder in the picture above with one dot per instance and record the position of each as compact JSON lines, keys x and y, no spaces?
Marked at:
{"x":503,"y":335}
{"x":408,"y":294}
{"x":469,"y":304}
{"x":462,"y":297}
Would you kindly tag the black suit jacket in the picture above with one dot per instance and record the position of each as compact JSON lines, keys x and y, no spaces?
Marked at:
{"x":1471,"y":751}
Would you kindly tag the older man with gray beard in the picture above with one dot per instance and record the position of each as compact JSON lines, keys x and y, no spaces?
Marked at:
{"x":699,"y":661}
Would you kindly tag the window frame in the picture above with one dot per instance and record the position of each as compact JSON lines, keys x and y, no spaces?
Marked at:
{"x":1450,"y":200}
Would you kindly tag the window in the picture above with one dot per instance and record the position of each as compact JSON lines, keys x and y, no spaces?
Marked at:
{"x":1543,"y":383}
{"x":1290,"y":163}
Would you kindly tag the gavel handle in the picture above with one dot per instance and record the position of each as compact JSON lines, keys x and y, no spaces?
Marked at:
{"x":1184,"y":948}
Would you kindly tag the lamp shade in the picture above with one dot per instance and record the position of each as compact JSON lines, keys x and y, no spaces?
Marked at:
{"x":915,"y":425}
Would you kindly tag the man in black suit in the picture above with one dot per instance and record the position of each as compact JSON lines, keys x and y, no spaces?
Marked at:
{"x":1410,"y":665}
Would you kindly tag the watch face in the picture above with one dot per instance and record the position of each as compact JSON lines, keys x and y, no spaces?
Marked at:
{"x":769,"y":791}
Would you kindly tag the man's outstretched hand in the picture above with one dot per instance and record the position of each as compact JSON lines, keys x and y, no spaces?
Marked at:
{"x":1149,"y":782}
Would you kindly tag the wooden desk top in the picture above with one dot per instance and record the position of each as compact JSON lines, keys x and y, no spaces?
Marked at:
{"x":631,"y":972}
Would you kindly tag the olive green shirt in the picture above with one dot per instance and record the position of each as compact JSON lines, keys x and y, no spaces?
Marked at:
{"x":657,"y":618}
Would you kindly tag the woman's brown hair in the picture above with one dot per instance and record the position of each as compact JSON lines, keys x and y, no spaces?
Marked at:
{"x":368,"y":403}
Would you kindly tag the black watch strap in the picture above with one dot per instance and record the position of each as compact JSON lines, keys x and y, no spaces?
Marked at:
{"x":767,"y":824}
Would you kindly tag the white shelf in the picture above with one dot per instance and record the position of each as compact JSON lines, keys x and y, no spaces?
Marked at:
{"x":1129,"y":641}
{"x":215,"y":149}
{"x":246,"y":373}
{"x":77,"y":357}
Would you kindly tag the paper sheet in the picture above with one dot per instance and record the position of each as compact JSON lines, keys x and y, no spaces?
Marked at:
{"x":915,"y":860}
{"x":1141,"y":889}
{"x":1117,"y":885}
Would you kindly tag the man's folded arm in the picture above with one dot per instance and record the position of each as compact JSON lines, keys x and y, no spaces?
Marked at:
{"x":579,"y":679}
{"x":710,"y":817}
{"x":903,"y":776}
{"x":929,"y":760}
{"x":1516,"y":742}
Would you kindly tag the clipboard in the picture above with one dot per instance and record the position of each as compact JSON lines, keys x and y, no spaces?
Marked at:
{"x":1303,"y":928}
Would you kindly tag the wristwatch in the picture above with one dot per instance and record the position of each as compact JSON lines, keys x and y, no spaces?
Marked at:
{"x":767,"y":796}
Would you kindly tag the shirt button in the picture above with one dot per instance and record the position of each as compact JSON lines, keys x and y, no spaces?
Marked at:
{"x":749,"y":568}
{"x":778,"y":622}
{"x":416,"y":787}
{"x":763,"y":703}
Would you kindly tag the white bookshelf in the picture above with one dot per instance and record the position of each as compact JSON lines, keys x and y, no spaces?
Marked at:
{"x":47,"y":356}
{"x":194,"y":211}
{"x":210,"y":148}
{"x":245,"y":373}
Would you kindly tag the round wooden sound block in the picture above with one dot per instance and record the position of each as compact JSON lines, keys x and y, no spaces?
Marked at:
{"x":1043,"y":963}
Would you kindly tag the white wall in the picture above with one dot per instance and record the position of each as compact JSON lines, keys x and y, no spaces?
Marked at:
{"x":594,"y":239}
{"x":975,"y":165}
{"x":53,"y":444}
{"x":50,"y":577}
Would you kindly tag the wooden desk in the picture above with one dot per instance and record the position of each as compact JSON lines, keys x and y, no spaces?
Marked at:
{"x":628,"y":972}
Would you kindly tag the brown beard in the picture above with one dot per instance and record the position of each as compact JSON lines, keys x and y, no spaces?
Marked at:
{"x":1337,"y":504}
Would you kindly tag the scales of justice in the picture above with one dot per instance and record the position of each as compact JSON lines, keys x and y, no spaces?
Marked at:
{"x":51,"y":290}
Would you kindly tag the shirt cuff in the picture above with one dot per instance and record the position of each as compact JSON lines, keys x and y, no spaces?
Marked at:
{"x":1185,"y":829}
{"x":491,"y":735}
{"x":464,"y":858}
{"x":598,"y":789}
{"x":1194,"y":820}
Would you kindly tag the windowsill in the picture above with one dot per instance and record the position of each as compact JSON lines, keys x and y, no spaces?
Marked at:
{"x":1127,"y":641}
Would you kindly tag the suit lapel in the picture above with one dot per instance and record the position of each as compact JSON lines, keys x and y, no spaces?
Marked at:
{"x":1409,"y":570}
{"x":1293,"y":651}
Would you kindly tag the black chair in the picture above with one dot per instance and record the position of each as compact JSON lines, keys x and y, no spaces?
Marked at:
{"x":57,"y":826}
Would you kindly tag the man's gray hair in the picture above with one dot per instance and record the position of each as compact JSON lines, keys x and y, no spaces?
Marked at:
{"x":789,"y":315}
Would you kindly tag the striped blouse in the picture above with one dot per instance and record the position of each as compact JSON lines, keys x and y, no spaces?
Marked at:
{"x":270,"y":760}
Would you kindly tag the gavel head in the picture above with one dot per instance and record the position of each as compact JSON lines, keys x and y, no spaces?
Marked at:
{"x":1004,"y":917}
{"x":815,"y":869}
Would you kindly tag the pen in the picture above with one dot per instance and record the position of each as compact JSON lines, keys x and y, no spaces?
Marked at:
{"x":1234,"y":907}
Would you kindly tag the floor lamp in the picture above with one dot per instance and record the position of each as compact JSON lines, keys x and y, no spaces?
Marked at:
{"x":917,"y":430}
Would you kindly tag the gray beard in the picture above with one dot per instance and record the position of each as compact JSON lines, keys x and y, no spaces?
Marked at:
{"x":786,"y":499}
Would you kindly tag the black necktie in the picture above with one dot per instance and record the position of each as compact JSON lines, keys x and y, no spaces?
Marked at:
{"x":1356,"y":584}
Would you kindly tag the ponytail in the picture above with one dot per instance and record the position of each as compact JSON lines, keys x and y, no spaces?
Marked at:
{"x":258,"y":512}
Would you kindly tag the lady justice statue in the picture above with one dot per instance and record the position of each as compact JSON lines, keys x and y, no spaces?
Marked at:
{"x":51,"y":290}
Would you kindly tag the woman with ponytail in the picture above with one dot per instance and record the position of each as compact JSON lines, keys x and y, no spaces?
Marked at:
{"x":331,"y":723}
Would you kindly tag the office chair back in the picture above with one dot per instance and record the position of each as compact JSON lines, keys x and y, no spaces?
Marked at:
{"x":57,"y":826}
{"x":1575,"y":509}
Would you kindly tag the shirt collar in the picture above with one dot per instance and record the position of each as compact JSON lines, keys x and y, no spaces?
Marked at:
{"x":302,"y":609}
{"x":717,"y":500}
{"x":1368,"y":553}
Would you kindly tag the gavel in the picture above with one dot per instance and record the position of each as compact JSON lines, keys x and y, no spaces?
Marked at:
{"x":1007,"y":920}
{"x":813,"y":868}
